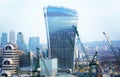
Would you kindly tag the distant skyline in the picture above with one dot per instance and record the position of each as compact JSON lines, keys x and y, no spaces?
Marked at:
{"x":95,"y":17}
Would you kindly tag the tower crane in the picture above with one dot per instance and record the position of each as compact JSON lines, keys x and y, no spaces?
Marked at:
{"x":91,"y":62}
{"x":111,"y":46}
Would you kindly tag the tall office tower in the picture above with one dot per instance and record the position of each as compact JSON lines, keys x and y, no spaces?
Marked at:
{"x":60,"y":33}
{"x":20,"y":42}
{"x":10,"y":60}
{"x":12,"y":36}
{"x":33,"y":43}
{"x":4,"y":39}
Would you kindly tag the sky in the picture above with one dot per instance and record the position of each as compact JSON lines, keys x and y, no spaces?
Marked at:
{"x":95,"y":17}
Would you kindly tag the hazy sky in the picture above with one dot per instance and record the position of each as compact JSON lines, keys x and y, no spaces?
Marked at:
{"x":95,"y":16}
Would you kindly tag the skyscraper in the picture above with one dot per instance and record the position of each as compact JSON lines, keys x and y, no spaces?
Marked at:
{"x":33,"y":43}
{"x":3,"y":38}
{"x":20,"y":42}
{"x":12,"y":36}
{"x":60,"y":33}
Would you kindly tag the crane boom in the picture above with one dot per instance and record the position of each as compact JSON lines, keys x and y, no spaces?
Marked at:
{"x":91,"y":62}
{"x":81,"y":43}
{"x":111,"y":46}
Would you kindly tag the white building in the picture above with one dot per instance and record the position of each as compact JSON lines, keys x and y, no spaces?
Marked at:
{"x":48,"y":67}
{"x":10,"y":62}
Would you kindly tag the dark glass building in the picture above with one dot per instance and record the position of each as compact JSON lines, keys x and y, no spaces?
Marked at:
{"x":60,"y":33}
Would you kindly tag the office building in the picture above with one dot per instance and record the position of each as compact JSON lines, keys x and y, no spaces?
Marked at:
{"x":60,"y":33}
{"x":12,"y":36}
{"x":20,"y":42}
{"x":10,"y":60}
{"x":33,"y":43}
{"x":3,"y":39}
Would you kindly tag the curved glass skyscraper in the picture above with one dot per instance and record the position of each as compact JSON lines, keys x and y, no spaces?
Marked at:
{"x":60,"y":34}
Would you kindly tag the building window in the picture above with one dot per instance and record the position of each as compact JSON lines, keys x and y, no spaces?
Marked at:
{"x":6,"y":62}
{"x":4,"y":75}
{"x":8,"y":48}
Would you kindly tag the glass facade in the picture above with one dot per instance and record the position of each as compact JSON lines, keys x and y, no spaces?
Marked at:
{"x":60,"y":32}
{"x":20,"y":42}
{"x":4,"y":39}
{"x":33,"y":43}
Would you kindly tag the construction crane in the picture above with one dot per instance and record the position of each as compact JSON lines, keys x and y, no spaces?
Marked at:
{"x":91,"y":62}
{"x":112,"y":48}
{"x":75,"y":28}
